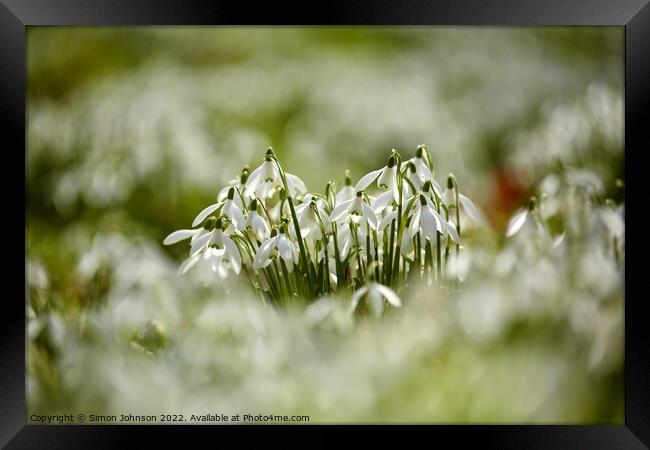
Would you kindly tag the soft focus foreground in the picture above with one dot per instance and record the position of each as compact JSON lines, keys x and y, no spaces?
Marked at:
{"x":131,"y":132}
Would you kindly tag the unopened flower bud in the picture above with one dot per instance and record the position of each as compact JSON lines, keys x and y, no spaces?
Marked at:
{"x":348,"y":179}
{"x":451,"y":181}
{"x":244,"y":175}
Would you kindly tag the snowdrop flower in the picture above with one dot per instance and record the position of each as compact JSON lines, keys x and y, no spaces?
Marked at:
{"x":376,"y":295}
{"x":217,"y":248}
{"x":426,"y":219}
{"x":517,"y":222}
{"x":526,"y":216}
{"x":256,"y":223}
{"x":386,"y":177}
{"x":449,"y":197}
{"x":264,"y":180}
{"x":355,"y":209}
{"x":277,"y":245}
{"x":239,"y":184}
{"x":382,"y":201}
{"x":229,"y":208}
{"x":347,"y":191}
{"x":345,"y":240}
{"x":418,"y":171}
{"x":219,"y":260}
{"x":217,"y":238}
{"x":310,"y":217}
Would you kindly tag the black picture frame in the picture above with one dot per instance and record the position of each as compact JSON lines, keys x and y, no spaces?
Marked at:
{"x":633,"y":15}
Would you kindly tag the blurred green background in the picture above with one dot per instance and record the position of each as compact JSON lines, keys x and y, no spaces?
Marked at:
{"x":132,"y":131}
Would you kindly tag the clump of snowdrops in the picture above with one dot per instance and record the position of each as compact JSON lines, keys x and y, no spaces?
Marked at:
{"x":291,"y":243}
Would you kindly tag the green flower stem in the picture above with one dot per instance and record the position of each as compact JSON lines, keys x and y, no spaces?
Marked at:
{"x":391,"y":249}
{"x":457,"y":214}
{"x":358,"y":250}
{"x":303,"y":252}
{"x":374,"y":235}
{"x":337,"y":256}
{"x":368,"y":251}
{"x":287,"y":280}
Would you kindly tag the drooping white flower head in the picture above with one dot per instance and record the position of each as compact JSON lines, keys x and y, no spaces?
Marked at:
{"x":425,"y":218}
{"x":217,"y":248}
{"x":239,"y":184}
{"x":266,"y":179}
{"x":276,"y":246}
{"x":419,"y":172}
{"x":255,"y":223}
{"x":356,"y":210}
{"x":263,"y":180}
{"x":347,"y":191}
{"x":528,"y":219}
{"x":376,"y":295}
{"x":386,"y":177}
{"x":228,"y":208}
{"x":449,"y":198}
{"x":313,"y":220}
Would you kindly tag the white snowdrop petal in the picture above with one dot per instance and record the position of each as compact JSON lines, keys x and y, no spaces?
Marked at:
{"x":188,"y":264}
{"x":178,"y":236}
{"x":254,"y":178}
{"x":451,"y":231}
{"x":358,"y":294}
{"x":389,"y":295}
{"x":340,"y":210}
{"x":298,"y":184}
{"x":414,"y":226}
{"x":261,"y":258}
{"x":230,"y":245}
{"x":376,"y":301}
{"x":448,"y":197}
{"x":386,"y":221}
{"x":284,"y":247}
{"x":346,"y":193}
{"x":200,"y":232}
{"x":387,"y":177}
{"x":516,"y":223}
{"x":429,"y":224}
{"x":237,"y":216}
{"x":381,"y":201}
{"x":436,"y":187}
{"x":470,"y":208}
{"x":200,"y":243}
{"x":205,"y":213}
{"x":367,"y":180}
{"x":370,"y":216}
